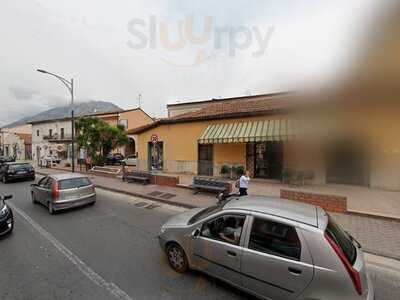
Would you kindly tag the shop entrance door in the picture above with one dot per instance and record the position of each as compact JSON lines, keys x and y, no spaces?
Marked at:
{"x":156,"y":156}
{"x":268,"y":160}
{"x":205,"y":162}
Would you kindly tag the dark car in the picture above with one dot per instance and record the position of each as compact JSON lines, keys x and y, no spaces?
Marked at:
{"x":11,"y":170}
{"x":6,"y":216}
{"x":114,"y":159}
{"x":5,"y":159}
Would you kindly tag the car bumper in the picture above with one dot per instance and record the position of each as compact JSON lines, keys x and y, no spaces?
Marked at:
{"x":162,"y":241}
{"x":371,"y":290}
{"x":20,"y":176}
{"x":6,"y":225}
{"x":65,"y":204}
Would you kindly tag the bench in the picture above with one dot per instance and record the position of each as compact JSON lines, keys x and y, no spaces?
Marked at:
{"x":137,"y":176}
{"x":211,"y":185}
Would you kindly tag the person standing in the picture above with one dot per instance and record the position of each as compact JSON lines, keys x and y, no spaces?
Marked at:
{"x":244,"y":183}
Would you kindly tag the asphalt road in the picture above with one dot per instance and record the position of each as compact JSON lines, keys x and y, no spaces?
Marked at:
{"x":109,"y":251}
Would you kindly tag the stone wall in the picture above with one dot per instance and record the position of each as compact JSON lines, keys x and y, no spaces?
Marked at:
{"x":331,"y":203}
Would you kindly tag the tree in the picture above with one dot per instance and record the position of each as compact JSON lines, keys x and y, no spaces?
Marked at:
{"x":98,"y":137}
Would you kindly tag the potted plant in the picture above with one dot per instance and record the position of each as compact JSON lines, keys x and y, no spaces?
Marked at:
{"x":238,"y":170}
{"x":226,"y":171}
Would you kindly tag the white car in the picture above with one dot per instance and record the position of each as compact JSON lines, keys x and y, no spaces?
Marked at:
{"x":130,"y":160}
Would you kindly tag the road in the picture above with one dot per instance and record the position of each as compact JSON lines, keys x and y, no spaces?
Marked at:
{"x":110,"y":251}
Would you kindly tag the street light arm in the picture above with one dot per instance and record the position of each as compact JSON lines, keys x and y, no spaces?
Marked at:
{"x":67,"y":83}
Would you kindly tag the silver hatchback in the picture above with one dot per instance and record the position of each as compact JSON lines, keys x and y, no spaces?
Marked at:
{"x":271,"y":248}
{"x":63,"y":191}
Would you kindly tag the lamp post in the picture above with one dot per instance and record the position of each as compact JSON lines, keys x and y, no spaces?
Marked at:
{"x":70,"y":87}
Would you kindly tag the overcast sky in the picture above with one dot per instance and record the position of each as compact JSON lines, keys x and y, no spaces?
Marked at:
{"x":116,"y":50}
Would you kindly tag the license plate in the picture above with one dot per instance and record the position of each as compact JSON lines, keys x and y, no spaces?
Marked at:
{"x":21,"y":172}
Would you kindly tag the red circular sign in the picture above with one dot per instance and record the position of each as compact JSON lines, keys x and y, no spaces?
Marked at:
{"x":154,"y":138}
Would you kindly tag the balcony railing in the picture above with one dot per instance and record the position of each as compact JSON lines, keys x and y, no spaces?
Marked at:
{"x":57,"y":137}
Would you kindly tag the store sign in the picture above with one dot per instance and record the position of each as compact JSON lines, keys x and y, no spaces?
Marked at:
{"x":154,"y":138}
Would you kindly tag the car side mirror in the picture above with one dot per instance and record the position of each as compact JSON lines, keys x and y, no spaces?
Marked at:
{"x":6,"y":197}
{"x":195,"y":234}
{"x":34,"y":184}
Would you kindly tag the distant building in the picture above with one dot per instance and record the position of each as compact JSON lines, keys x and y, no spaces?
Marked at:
{"x":16,"y":142}
{"x":54,"y":137}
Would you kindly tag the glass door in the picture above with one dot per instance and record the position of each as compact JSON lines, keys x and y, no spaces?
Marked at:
{"x":156,"y":156}
{"x":268,"y":160}
{"x":205,"y":162}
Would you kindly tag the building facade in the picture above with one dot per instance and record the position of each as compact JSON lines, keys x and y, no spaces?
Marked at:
{"x":17,"y":142}
{"x":337,"y":142}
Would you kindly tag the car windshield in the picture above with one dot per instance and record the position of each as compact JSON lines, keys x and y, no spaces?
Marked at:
{"x":73,"y":183}
{"x":19,"y":167}
{"x":343,"y":240}
{"x":204,"y":214}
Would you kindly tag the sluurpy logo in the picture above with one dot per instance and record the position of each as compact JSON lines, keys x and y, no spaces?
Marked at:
{"x":180,"y":44}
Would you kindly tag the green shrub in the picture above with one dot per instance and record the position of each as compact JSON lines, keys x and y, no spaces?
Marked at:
{"x":67,"y":165}
{"x":238,"y":170}
{"x":225,"y":169}
{"x":98,"y":160}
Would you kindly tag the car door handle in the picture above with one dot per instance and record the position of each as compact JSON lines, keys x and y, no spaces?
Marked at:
{"x":231,"y":253}
{"x":295,"y":271}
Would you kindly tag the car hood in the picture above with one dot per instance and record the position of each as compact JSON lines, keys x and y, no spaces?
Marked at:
{"x":182,"y":219}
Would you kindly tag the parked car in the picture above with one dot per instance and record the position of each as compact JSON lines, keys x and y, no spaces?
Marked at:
{"x":114,"y":159}
{"x":14,"y":170}
{"x":4,"y":159}
{"x":130,"y":160}
{"x":63,"y":191}
{"x":6,"y":216}
{"x":271,"y":248}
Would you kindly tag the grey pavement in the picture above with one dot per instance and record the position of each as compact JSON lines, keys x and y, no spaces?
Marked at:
{"x":377,"y":235}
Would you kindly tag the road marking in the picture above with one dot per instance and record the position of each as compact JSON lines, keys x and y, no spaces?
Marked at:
{"x":86,"y":270}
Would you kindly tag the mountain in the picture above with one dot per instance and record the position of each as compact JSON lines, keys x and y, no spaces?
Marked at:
{"x":80,"y":109}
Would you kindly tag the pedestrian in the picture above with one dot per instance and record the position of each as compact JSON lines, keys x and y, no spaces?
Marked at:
{"x":244,"y":183}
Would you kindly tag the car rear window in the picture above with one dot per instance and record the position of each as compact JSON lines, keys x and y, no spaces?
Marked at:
{"x":342,"y":239}
{"x":20,"y":166}
{"x":73,"y":183}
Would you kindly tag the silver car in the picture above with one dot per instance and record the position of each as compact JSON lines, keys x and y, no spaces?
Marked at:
{"x":63,"y":191}
{"x":271,"y":248}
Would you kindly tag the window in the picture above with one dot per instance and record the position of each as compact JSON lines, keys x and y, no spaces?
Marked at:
{"x":342,"y":239}
{"x":42,"y":181}
{"x":49,"y":183}
{"x":275,"y":238}
{"x":50,"y":132}
{"x":204,"y":214}
{"x":62,"y":133}
{"x":123,"y":123}
{"x":37,"y":132}
{"x":227,"y":228}
{"x":74,"y":183}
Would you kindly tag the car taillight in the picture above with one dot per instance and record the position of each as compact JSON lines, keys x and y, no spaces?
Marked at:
{"x":55,"y":192}
{"x":353,"y":273}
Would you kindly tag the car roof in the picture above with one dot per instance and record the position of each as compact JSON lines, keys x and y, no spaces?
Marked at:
{"x":291,"y":210}
{"x":17,"y":163}
{"x":64,"y":176}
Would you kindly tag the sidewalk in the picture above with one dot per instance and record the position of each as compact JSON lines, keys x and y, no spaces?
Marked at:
{"x":378,"y":236}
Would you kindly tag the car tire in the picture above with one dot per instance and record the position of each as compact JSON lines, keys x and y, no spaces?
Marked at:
{"x":33,"y":198}
{"x":177,"y":258}
{"x":92,"y":203}
{"x":51,"y":208}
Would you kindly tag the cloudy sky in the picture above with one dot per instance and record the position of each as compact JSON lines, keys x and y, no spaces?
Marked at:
{"x":169,"y":51}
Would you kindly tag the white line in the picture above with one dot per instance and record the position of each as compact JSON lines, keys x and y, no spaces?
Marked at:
{"x":87,"y":271}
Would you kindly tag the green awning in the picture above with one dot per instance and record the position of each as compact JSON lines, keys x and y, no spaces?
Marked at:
{"x":243,"y":132}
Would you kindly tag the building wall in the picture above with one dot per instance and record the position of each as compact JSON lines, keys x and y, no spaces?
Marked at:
{"x":181,"y":146}
{"x":136,"y":118}
{"x":13,"y":141}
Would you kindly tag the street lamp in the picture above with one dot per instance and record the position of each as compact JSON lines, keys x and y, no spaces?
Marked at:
{"x":70,"y":87}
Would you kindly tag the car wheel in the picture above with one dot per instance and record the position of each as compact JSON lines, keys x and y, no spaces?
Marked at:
{"x":33,"y":198}
{"x":177,"y":258}
{"x":51,"y":208}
